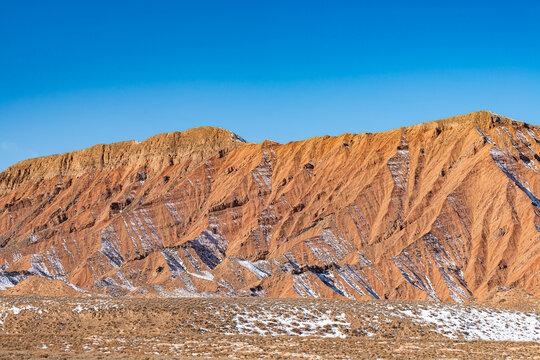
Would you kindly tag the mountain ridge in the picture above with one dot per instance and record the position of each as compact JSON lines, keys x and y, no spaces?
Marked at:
{"x":176,"y":145}
{"x":439,"y":211}
{"x":483,"y":117}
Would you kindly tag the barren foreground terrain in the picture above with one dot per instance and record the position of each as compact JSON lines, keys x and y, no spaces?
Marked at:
{"x":240,"y":328}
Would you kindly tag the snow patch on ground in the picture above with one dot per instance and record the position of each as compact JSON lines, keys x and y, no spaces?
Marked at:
{"x":279,"y":320}
{"x":471,"y":323}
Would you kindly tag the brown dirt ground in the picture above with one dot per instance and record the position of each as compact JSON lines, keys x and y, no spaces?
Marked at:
{"x":189,"y":329}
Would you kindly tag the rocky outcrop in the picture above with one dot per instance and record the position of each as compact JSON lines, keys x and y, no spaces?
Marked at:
{"x":446,"y":210}
{"x":189,"y":147}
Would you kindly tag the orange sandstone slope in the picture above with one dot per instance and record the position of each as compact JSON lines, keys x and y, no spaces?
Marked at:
{"x":442,"y":210}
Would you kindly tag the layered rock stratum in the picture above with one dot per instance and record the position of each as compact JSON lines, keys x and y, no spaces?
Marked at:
{"x":445,"y":210}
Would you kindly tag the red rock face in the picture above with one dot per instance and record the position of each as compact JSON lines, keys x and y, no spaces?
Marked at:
{"x":444,"y":210}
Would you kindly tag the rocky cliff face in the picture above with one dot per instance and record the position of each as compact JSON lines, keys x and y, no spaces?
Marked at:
{"x":444,"y":210}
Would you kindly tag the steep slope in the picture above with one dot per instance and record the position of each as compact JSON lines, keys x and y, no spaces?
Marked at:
{"x":442,"y":210}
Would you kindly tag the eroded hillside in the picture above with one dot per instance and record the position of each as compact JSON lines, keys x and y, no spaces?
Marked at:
{"x":442,"y":210}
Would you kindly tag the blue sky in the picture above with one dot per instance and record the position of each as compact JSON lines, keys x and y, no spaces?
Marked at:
{"x":74,"y":74}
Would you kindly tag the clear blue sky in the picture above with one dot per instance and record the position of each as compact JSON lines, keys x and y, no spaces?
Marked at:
{"x":77,"y":73}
